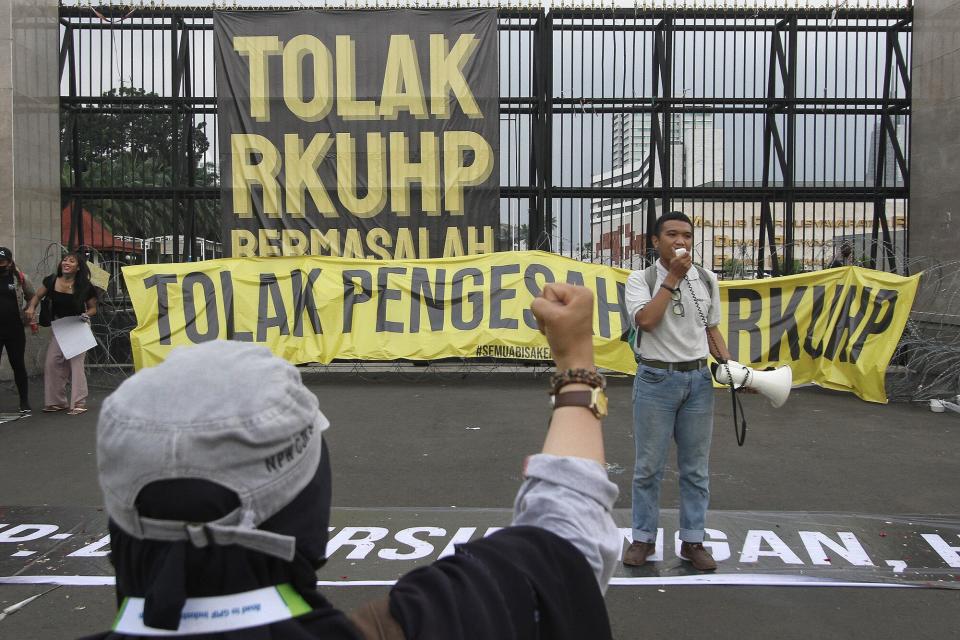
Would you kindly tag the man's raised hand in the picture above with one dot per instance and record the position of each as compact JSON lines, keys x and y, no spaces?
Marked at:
{"x":564,"y":314}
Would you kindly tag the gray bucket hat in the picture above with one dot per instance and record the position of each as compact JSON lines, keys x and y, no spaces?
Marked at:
{"x":226,"y":412}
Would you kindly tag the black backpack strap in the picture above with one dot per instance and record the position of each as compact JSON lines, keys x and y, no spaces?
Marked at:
{"x":650,"y":277}
{"x":707,"y":277}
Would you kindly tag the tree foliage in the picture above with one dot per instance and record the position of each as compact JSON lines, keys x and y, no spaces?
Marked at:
{"x":512,"y":237}
{"x":140,"y":147}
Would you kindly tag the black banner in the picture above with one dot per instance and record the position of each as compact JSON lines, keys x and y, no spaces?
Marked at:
{"x":367,"y":134}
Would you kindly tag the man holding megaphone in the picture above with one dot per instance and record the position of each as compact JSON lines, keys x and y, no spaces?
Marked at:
{"x":675,"y":307}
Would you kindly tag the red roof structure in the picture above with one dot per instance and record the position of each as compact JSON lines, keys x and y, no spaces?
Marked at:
{"x":95,"y":234}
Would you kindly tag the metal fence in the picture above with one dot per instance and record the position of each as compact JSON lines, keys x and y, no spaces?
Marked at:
{"x":783,"y":133}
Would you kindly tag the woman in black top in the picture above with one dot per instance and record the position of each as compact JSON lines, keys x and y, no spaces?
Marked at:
{"x":71,"y":294}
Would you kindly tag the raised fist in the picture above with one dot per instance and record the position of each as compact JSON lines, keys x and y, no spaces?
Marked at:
{"x":564,"y":314}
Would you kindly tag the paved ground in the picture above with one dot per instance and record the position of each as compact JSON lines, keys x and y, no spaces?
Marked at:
{"x":411,"y":441}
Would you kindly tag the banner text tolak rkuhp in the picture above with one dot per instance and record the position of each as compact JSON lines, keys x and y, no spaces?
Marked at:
{"x":359,"y":134}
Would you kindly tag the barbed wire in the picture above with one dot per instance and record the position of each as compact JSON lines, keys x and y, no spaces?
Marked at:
{"x":647,"y":5}
{"x":926,"y":364}
{"x":448,"y":369}
{"x":740,"y":259}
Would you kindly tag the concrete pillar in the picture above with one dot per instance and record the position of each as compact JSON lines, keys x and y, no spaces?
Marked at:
{"x":29,"y":140}
{"x":935,"y":132}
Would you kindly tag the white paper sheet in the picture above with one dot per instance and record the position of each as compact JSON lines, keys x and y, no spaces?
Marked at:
{"x":73,"y":335}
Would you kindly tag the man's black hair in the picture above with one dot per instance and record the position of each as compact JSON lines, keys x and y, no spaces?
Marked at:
{"x":670,"y":215}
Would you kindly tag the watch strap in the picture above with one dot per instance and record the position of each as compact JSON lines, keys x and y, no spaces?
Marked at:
{"x":573,"y":399}
{"x":594,"y":400}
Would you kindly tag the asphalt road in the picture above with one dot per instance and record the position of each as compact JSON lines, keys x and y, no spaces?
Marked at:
{"x":438,"y":440}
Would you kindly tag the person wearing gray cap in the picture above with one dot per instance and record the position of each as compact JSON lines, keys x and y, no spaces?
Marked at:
{"x":216,"y":481}
{"x":15,"y":290}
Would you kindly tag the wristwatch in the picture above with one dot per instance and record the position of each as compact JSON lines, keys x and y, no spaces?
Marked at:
{"x":594,"y":399}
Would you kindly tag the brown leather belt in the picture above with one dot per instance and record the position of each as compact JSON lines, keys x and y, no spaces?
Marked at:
{"x":690,"y":365}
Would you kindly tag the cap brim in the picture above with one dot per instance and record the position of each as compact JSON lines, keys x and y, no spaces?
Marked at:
{"x":320,"y":423}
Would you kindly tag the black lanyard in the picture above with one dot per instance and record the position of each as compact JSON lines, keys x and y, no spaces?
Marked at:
{"x":739,"y":419}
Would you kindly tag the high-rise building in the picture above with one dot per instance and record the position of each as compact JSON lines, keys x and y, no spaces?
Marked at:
{"x":891,"y":172}
{"x":693,"y":137}
{"x":696,"y":158}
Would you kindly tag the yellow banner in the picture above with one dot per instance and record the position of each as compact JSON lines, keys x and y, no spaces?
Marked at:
{"x":837,"y":328}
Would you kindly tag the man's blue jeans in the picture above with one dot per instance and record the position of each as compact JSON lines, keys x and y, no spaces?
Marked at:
{"x":677,"y":404}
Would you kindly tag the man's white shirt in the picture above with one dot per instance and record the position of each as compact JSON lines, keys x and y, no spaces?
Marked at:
{"x":677,"y":338}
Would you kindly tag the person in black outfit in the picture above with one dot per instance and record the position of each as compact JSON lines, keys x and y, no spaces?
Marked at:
{"x":71,"y":294}
{"x":15,"y":290}
{"x":217,"y":482}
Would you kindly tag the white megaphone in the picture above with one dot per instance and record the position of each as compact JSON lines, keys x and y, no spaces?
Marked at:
{"x":773,"y":385}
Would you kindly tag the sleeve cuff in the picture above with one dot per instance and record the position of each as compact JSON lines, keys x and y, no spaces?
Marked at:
{"x":584,"y":476}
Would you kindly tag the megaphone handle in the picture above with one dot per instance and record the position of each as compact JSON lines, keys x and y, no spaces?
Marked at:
{"x":739,"y":419}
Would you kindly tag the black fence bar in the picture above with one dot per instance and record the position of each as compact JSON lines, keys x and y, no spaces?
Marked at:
{"x":782,"y":132}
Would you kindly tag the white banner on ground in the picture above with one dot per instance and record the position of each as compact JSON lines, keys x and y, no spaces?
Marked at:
{"x":766,"y":580}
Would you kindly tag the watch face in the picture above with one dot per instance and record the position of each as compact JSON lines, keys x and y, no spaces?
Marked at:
{"x":600,"y":403}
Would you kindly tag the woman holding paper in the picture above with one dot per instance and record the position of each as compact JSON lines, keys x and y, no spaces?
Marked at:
{"x":71,"y":294}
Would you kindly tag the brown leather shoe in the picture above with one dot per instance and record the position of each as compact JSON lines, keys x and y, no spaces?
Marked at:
{"x":697,"y":555}
{"x":638,"y":552}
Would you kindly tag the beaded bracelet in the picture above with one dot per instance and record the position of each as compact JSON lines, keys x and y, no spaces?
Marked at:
{"x":588,"y":377}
